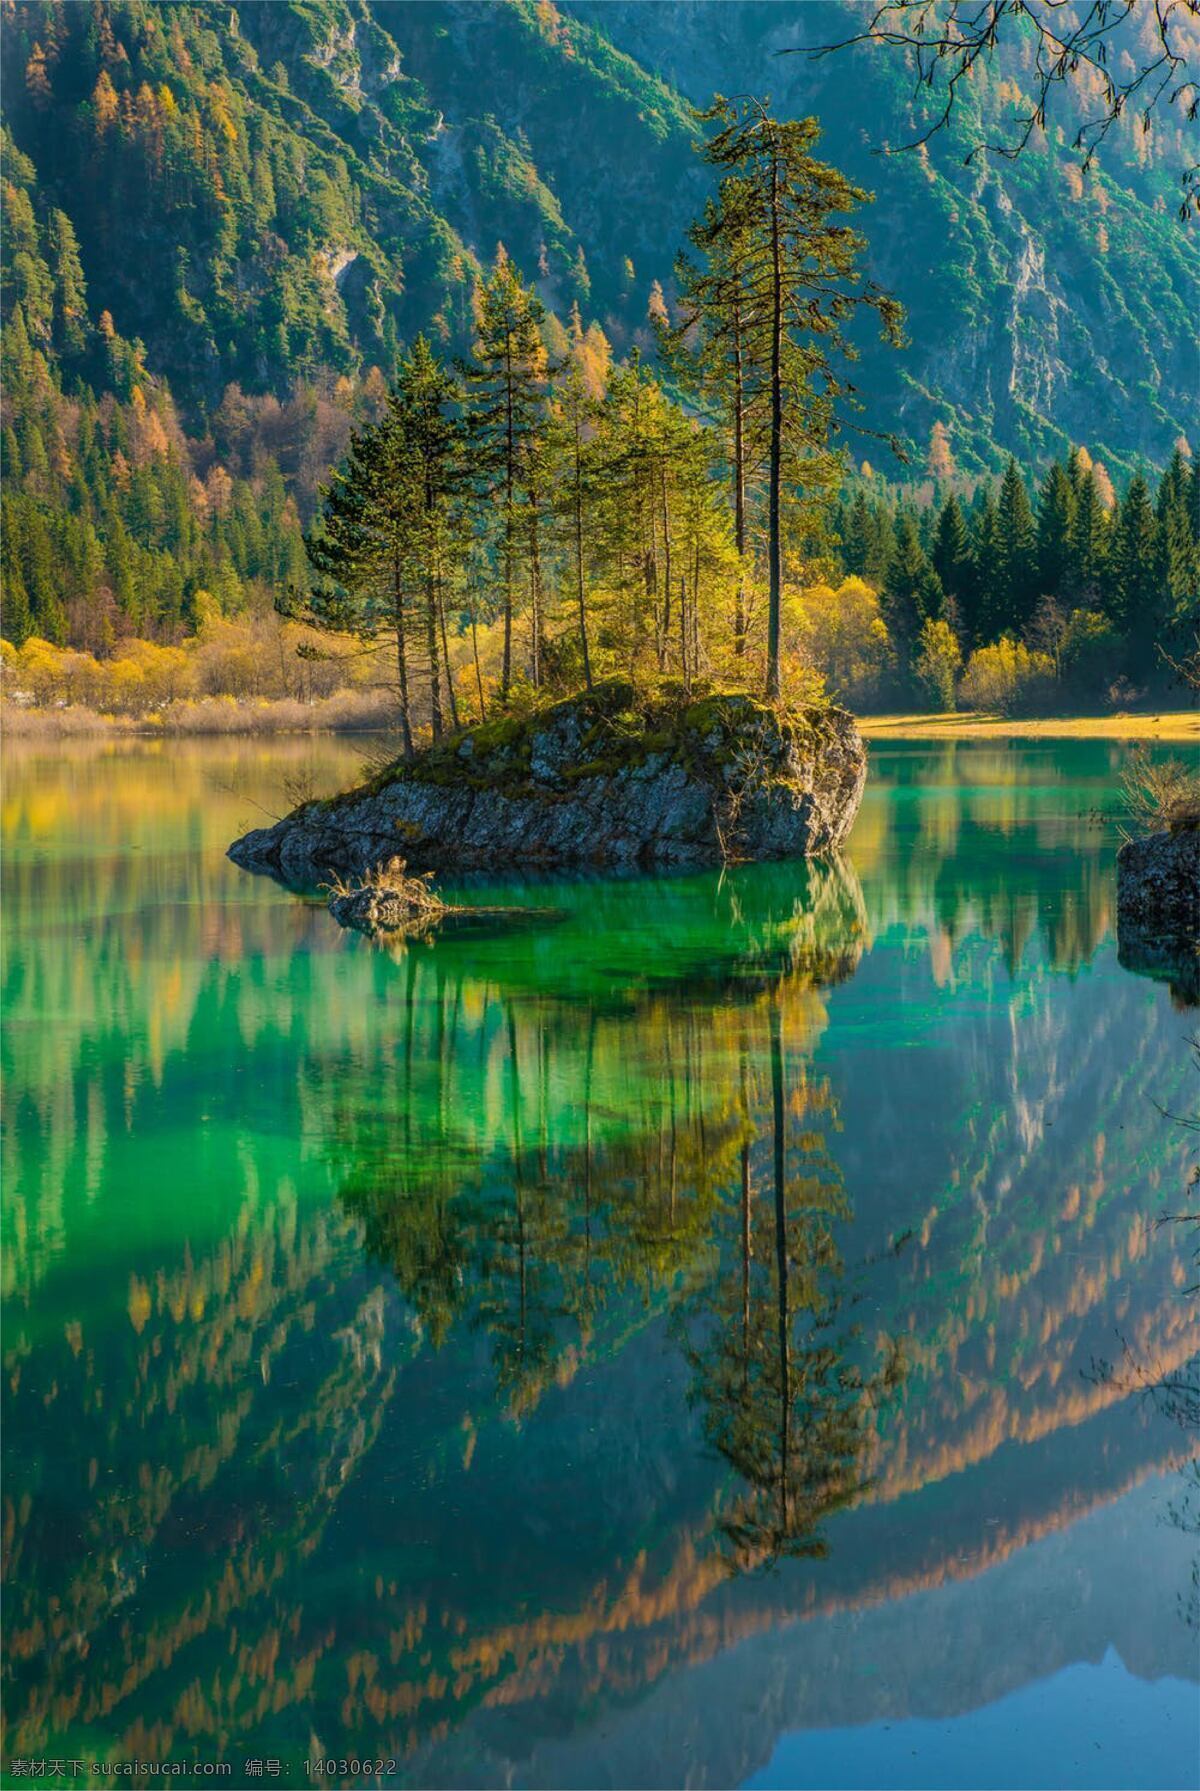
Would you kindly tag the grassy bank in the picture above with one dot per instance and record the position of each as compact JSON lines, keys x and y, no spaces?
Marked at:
{"x":347,"y":712}
{"x":1181,"y":725}
{"x":355,"y":712}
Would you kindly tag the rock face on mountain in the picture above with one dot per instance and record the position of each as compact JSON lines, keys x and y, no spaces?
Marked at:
{"x":597,"y":779}
{"x":1158,"y":908}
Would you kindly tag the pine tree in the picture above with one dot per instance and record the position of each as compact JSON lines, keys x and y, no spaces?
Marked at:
{"x":380,"y":547}
{"x":1134,"y":586}
{"x":856,"y":533}
{"x":1055,"y":523}
{"x":774,"y":224}
{"x":912,"y":592}
{"x":710,"y":347}
{"x":575,"y":418}
{"x":1016,"y":568}
{"x":951,"y":555}
{"x":424,"y":439}
{"x":16,"y":620}
{"x":70,"y":292}
{"x":1089,"y":541}
{"x":1178,"y":534}
{"x":982,"y":618}
{"x":506,"y":392}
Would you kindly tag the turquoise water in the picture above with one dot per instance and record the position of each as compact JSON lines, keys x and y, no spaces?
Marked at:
{"x":715,"y":1327}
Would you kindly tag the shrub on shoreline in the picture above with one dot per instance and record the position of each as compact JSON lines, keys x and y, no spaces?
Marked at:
{"x":346,"y":712}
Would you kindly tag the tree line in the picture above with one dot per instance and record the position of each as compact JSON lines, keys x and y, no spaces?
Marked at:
{"x":650,"y":518}
{"x":521,"y":484}
{"x":1096,"y":585}
{"x":534,"y":515}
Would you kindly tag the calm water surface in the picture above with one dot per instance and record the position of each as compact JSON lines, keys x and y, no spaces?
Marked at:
{"x":711,"y":1329}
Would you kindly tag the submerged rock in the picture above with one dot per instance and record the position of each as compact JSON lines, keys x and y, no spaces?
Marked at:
{"x":388,"y":900}
{"x":1158,"y":909}
{"x":596,"y":779}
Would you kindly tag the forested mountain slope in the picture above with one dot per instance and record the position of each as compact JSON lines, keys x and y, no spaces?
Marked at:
{"x":262,"y":191}
{"x":224,"y":223}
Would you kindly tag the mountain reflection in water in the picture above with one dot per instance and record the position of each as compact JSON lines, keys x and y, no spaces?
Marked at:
{"x":465,"y":1353}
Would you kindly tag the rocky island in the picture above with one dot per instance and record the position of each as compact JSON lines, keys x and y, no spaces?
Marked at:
{"x":610,"y":777}
{"x":1158,"y":908}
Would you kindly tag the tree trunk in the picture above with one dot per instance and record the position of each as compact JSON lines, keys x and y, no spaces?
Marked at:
{"x":535,"y":593}
{"x":401,"y":660}
{"x":665,"y":636}
{"x":746,"y":1255}
{"x":431,"y":646}
{"x":774,"y":545}
{"x":683,"y":633}
{"x":478,"y":672}
{"x":781,"y":1265}
{"x":579,"y":590}
{"x":695,"y":617}
{"x":510,"y":454}
{"x":740,"y":620}
{"x":441,"y":606}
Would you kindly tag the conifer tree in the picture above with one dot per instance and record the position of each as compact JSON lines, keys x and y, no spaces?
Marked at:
{"x":1089,"y":539}
{"x":358,"y":552}
{"x":1055,"y":523}
{"x":983,"y":620}
{"x":857,"y":534}
{"x":912,"y":592}
{"x":381,"y":547}
{"x":574,"y":425}
{"x":710,"y":347}
{"x":951,"y":555}
{"x":506,"y":397}
{"x":1134,"y":584}
{"x":16,"y":620}
{"x":1178,"y":534}
{"x":424,"y":439}
{"x":1015,"y":581}
{"x":775,"y":224}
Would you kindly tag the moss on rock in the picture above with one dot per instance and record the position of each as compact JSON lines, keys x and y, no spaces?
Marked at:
{"x":614,"y":774}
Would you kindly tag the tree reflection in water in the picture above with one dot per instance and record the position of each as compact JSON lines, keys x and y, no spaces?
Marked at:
{"x":783,"y":1402}
{"x":712,"y":1191}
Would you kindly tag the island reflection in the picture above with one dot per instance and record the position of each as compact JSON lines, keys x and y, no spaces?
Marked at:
{"x":429,"y":1353}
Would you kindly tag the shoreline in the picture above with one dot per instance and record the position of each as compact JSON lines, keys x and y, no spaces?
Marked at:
{"x":1181,"y":726}
{"x":212,"y":718}
{"x":224,"y":718}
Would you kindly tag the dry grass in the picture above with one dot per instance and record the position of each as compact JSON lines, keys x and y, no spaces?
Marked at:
{"x":1180,"y":725}
{"x":73,"y":723}
{"x":392,"y":878}
{"x":347,"y":712}
{"x":1161,"y":796}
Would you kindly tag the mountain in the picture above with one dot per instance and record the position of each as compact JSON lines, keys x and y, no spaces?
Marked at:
{"x":223,"y":223}
{"x":262,"y":191}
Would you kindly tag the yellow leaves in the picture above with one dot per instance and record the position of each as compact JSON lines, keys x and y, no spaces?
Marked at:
{"x":840,"y":633}
{"x":941,"y":460}
{"x":104,"y":107}
{"x":218,"y":488}
{"x":139,"y":1305}
{"x":219,"y":112}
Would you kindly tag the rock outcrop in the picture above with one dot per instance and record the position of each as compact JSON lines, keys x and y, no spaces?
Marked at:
{"x":1158,"y":909}
{"x":388,"y":900}
{"x":603,"y":778}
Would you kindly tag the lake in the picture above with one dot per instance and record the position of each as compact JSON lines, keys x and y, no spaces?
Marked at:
{"x":713,"y":1329}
